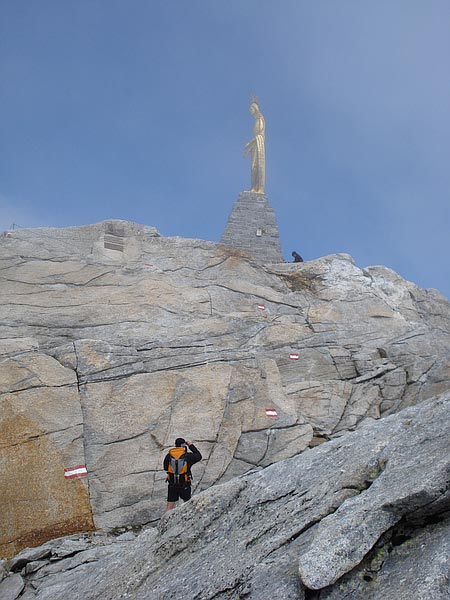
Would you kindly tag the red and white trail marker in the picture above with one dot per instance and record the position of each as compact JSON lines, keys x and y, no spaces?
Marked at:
{"x":78,"y":471}
{"x":261,"y":307}
{"x":271,"y":412}
{"x":293,"y":356}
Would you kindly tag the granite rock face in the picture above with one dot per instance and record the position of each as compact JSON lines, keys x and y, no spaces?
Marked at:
{"x":366,"y":515}
{"x":115,"y":340}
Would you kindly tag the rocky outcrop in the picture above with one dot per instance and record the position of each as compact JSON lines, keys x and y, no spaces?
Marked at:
{"x":366,"y":515}
{"x":114,"y":340}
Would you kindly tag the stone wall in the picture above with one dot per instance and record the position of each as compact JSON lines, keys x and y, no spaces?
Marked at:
{"x":252,"y":227}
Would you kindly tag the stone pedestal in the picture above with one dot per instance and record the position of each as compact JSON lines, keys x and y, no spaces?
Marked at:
{"x":252,"y":226}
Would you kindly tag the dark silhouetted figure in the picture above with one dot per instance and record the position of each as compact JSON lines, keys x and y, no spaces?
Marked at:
{"x":297,"y":257}
{"x":177,"y":464}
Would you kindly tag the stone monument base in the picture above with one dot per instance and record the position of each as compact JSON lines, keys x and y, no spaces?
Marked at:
{"x":252,"y":226}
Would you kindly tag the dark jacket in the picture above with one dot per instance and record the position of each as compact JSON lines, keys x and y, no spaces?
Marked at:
{"x":297,"y":257}
{"x":192,"y":457}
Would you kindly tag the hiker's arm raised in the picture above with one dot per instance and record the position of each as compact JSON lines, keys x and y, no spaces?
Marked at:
{"x":196,"y":456}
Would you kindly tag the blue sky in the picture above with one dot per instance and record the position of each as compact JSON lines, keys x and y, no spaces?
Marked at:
{"x":138,"y":110}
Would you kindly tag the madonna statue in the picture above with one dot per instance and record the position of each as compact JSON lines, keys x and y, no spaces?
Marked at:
{"x":255,"y":148}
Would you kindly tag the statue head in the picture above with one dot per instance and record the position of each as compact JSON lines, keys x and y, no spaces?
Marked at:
{"x":254,"y":105}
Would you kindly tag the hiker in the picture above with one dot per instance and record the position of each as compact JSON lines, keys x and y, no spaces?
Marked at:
{"x":297,"y":257}
{"x":177,"y":464}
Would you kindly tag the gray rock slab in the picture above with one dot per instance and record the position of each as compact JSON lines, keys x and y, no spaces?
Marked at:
{"x":3,"y":569}
{"x":306,"y":522}
{"x":11,"y":587}
{"x":95,"y":573}
{"x":69,"y":547}
{"x":126,"y":537}
{"x":29,"y":555}
{"x":28,"y":594}
{"x":33,"y":566}
{"x":417,"y":566}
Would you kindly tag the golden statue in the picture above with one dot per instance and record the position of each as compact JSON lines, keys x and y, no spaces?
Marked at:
{"x":255,"y":148}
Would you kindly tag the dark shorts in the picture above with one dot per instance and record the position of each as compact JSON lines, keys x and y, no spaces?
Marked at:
{"x":174,"y":493}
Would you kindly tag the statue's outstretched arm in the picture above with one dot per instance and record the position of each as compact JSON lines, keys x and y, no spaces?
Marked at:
{"x":248,"y":147}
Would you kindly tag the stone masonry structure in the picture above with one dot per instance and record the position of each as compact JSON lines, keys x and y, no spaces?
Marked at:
{"x":252,"y":226}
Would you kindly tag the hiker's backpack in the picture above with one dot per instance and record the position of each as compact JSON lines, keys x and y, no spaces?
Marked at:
{"x":177,"y":472}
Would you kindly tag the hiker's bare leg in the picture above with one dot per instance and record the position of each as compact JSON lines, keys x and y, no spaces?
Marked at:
{"x":169,"y":506}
